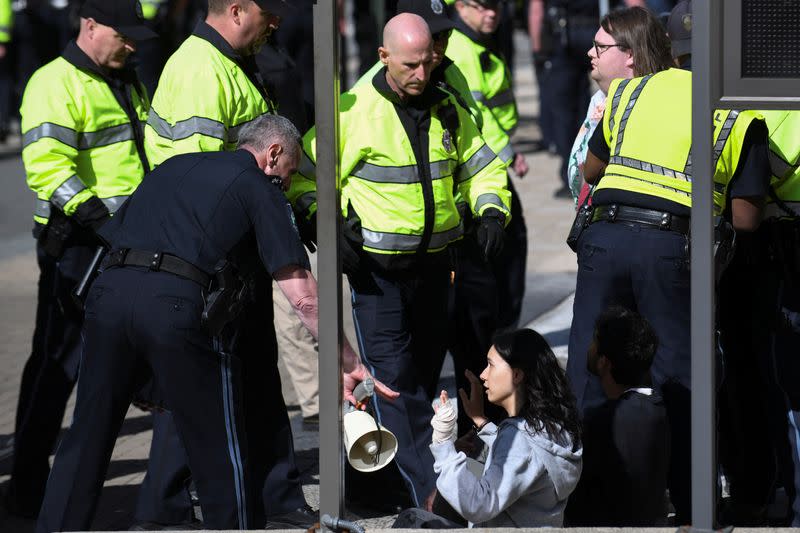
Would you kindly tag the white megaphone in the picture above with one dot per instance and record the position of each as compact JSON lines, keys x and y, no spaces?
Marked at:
{"x":369,"y":445}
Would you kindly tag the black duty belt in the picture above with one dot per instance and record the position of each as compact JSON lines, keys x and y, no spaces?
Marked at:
{"x":157,"y":262}
{"x":642,"y":217}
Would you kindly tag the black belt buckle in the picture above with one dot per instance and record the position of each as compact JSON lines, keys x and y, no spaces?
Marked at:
{"x":666,"y":221}
{"x":155,"y":261}
{"x":612,"y":212}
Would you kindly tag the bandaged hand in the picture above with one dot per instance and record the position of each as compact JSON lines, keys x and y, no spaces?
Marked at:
{"x":444,"y":421}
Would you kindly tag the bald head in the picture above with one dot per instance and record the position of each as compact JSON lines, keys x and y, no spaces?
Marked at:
{"x":406,"y":29}
{"x":407,"y":54}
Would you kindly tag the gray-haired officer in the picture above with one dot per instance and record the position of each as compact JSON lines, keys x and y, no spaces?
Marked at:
{"x":143,"y":318}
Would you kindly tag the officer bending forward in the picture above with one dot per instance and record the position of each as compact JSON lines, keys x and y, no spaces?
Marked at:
{"x":143,"y":319}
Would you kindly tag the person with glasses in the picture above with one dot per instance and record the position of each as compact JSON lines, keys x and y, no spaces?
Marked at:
{"x":629,"y":42}
{"x":561,"y":32}
{"x":635,"y":250}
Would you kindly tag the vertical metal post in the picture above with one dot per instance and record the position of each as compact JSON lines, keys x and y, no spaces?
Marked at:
{"x":604,"y":7}
{"x":326,"y":104}
{"x":704,"y":465}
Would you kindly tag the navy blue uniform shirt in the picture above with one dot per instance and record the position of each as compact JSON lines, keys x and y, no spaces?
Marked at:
{"x":201,"y":206}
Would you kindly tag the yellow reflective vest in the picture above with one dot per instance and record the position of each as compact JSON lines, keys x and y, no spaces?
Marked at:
{"x":204,"y":97}
{"x":784,"y":161}
{"x":405,"y":205}
{"x":453,"y":81}
{"x":77,"y":139}
{"x":647,"y":124}
{"x":487,"y":75}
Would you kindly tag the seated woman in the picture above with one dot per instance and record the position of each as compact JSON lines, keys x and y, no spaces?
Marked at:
{"x":534,"y":459}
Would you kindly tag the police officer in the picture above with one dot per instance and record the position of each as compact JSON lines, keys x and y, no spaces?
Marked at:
{"x":144,"y":318}
{"x":405,"y":147}
{"x":634,"y":253}
{"x":6,"y":66}
{"x":216,"y":65}
{"x":83,"y":150}
{"x":782,"y":227}
{"x":486,"y":295}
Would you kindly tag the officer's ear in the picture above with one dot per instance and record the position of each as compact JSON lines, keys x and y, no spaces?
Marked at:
{"x":273,"y":152}
{"x":383,"y":55}
{"x":235,"y":11}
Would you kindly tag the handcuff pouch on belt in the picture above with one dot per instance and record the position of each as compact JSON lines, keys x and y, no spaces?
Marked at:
{"x":583,"y":217}
{"x":230,"y":292}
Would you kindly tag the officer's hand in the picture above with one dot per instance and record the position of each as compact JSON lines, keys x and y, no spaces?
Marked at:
{"x":491,"y":233}
{"x":92,"y":213}
{"x":358,"y":374}
{"x":519,"y":165}
{"x":307,"y":228}
{"x":350,"y":245}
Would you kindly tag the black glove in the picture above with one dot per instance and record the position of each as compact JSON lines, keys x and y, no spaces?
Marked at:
{"x":350,"y":245}
{"x":92,"y":213}
{"x":307,"y":228}
{"x":491,"y":233}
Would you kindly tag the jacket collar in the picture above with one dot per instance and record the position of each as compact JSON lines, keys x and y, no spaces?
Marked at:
{"x":78,"y":58}
{"x":429,"y":97}
{"x":460,"y":25}
{"x":207,"y":33}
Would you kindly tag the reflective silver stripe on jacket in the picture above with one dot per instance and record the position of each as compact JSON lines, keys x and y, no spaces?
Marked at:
{"x":482,"y":157}
{"x":504,"y":98}
{"x":723,"y":136}
{"x":307,"y":167}
{"x":615,"y":101}
{"x":62,"y":134}
{"x":779,"y":166}
{"x":42,"y":208}
{"x":104,"y":137}
{"x":648,"y":167}
{"x":489,"y":198}
{"x":114,"y":203}
{"x":506,"y":155}
{"x":628,"y":109}
{"x":478,"y":96}
{"x":184,"y":129}
{"x":400,"y":242}
{"x":66,"y":192}
{"x":401,"y":175}
{"x":79,"y":140}
{"x":673,"y":189}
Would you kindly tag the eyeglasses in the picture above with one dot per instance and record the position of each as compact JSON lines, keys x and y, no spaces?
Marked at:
{"x":599,"y":48}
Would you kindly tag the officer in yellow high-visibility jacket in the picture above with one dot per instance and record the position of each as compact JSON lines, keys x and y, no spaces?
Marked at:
{"x":406,"y":146}
{"x":635,"y":252}
{"x":83,"y":151}
{"x":209,"y":88}
{"x":782,"y":225}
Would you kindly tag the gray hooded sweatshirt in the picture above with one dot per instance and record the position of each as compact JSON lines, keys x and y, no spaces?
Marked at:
{"x":526,"y":480}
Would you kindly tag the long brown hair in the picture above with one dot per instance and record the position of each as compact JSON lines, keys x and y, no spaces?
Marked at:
{"x":638,"y":30}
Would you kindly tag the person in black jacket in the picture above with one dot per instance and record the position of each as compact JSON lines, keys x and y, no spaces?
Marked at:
{"x":626,"y":439}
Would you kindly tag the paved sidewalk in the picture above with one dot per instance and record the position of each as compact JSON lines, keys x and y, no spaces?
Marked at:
{"x":551,"y":272}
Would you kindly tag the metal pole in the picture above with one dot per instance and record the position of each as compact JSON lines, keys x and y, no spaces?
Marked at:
{"x":604,"y":7}
{"x":704,"y":465}
{"x":326,"y":104}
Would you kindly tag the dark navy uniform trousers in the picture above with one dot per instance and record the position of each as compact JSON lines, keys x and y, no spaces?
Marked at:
{"x":646,"y":270}
{"x":401,"y":324}
{"x":139,"y":322}
{"x":48,"y":377}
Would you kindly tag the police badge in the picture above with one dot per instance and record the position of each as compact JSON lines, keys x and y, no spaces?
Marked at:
{"x":436,"y":6}
{"x":447,"y":141}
